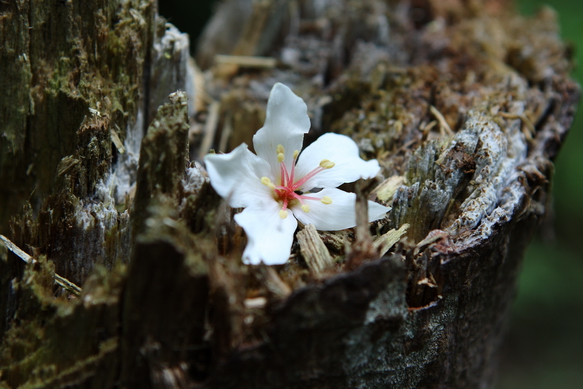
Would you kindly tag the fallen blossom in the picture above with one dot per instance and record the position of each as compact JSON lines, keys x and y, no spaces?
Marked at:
{"x":279,"y":185}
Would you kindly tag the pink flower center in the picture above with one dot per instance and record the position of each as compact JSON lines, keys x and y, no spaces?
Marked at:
{"x":288,"y":192}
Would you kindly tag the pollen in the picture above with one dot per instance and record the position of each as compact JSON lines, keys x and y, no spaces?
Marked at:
{"x":326,"y":164}
{"x":326,"y":200}
{"x":267,"y":182}
{"x":282,"y":213}
{"x":280,"y":157}
{"x":306,"y":208}
{"x":296,"y":153}
{"x":280,"y":149}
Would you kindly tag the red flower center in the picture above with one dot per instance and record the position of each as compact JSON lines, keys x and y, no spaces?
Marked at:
{"x":288,"y":192}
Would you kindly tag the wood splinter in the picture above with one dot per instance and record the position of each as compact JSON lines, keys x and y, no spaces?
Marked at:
{"x":314,"y":251}
{"x":61,"y":281}
{"x":246,"y":61}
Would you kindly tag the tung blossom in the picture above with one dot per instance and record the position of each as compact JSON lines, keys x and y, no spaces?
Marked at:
{"x":279,"y":186}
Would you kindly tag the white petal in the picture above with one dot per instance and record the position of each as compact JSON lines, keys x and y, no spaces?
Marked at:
{"x":269,"y":237}
{"x":341,"y":150}
{"x":340,"y":214}
{"x":286,"y":122}
{"x":236,"y":176}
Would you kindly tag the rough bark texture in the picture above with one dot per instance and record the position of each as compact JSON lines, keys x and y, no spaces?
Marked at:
{"x":464,"y":104}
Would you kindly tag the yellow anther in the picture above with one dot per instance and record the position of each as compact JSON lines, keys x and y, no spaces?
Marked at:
{"x":282,"y":213}
{"x":267,"y":182}
{"x":326,"y":164}
{"x":306,"y":208}
{"x":280,"y":149}
{"x":326,"y":200}
{"x":296,"y":153}
{"x":280,"y":157}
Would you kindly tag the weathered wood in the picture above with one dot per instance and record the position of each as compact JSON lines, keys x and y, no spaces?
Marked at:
{"x":314,"y":251}
{"x":465,"y":106}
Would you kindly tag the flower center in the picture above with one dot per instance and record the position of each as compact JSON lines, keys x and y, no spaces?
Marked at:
{"x":288,"y":193}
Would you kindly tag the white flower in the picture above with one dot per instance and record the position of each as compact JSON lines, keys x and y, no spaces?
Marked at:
{"x":279,"y":185}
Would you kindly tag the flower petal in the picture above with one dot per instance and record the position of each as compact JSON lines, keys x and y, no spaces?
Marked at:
{"x":338,"y":215}
{"x":236,"y":176}
{"x":341,"y":150}
{"x":269,"y":237}
{"x":286,"y":122}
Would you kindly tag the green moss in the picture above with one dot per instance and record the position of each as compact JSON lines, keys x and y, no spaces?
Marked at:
{"x":57,"y":338}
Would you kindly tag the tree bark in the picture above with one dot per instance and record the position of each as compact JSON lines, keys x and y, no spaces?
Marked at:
{"x":464,"y":104}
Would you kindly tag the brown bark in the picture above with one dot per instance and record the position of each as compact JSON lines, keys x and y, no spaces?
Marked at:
{"x":464,"y":104}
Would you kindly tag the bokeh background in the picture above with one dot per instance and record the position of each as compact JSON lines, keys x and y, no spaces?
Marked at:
{"x":544,"y":346}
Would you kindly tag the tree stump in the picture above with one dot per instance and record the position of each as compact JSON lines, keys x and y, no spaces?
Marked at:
{"x":464,"y":104}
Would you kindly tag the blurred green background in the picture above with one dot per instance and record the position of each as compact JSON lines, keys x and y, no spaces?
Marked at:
{"x":544,"y":347}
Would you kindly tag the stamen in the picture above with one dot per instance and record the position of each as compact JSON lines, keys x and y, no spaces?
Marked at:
{"x":293,"y":168}
{"x":267,"y":182}
{"x":326,"y":200}
{"x":326,"y":164}
{"x":302,"y":197}
{"x":288,"y":192}
{"x":284,"y":174}
{"x":299,"y":183}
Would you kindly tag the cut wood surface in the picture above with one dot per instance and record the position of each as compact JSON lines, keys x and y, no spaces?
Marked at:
{"x":105,"y":120}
